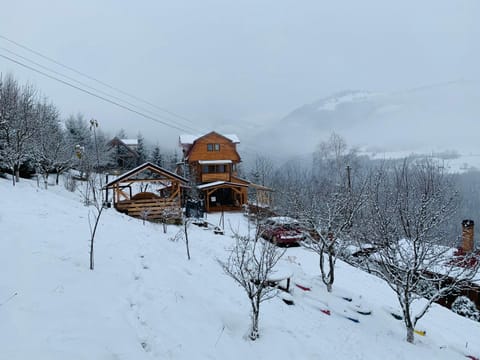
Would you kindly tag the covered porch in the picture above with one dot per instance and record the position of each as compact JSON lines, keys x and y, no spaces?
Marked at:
{"x":224,"y":196}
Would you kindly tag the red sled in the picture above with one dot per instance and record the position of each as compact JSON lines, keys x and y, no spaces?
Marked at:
{"x":325,"y":311}
{"x":304,"y":288}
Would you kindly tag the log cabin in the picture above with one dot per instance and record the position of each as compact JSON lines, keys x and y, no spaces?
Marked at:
{"x":211,"y":164}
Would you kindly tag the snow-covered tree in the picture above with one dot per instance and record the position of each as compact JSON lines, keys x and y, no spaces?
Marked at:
{"x":157,"y":157}
{"x":79,"y":136}
{"x":465,"y":307}
{"x":18,"y":125}
{"x":407,"y":203}
{"x":330,"y":215}
{"x":9,"y":95}
{"x":51,"y":150}
{"x":141,"y":149}
{"x":250,"y":264}
{"x":262,"y":170}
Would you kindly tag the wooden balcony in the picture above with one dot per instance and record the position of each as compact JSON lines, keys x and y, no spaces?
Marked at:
{"x":209,"y":177}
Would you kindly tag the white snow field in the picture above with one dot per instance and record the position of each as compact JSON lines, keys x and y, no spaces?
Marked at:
{"x":145,"y":300}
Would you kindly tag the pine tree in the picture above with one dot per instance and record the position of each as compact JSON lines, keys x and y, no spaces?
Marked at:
{"x":141,"y":151}
{"x":157,"y":157}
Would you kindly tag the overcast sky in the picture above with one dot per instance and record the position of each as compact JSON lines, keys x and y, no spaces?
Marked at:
{"x":237,"y":62}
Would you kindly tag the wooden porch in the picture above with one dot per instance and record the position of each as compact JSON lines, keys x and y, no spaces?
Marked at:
{"x":224,"y":196}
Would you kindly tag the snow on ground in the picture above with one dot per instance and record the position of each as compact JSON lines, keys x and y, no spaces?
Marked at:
{"x":145,"y":300}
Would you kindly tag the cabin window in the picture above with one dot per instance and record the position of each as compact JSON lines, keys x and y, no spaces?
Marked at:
{"x":214,"y":169}
{"x":213,"y":147}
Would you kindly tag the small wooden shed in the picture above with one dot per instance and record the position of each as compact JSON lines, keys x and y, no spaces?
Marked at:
{"x":162,"y":201}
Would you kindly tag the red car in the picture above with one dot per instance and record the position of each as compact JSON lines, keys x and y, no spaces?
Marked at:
{"x":282,"y":230}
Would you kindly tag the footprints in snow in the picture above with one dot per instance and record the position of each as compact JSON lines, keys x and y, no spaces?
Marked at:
{"x":138,"y":320}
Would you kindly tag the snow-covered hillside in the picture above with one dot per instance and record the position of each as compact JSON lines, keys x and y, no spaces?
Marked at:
{"x":145,"y":300}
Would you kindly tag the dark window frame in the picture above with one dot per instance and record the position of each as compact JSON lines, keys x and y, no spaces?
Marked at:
{"x":213,"y":147}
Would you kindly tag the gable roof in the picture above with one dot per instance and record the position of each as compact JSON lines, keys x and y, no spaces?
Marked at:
{"x":192,"y":140}
{"x":146,"y":166}
{"x":130,"y":142}
{"x":188,"y":139}
{"x":125,"y":143}
{"x":218,"y":184}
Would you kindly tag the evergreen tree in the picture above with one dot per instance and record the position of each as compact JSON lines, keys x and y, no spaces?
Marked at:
{"x":141,"y":151}
{"x":157,"y":157}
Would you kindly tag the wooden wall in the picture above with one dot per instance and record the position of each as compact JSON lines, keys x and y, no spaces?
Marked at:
{"x":228,"y":150}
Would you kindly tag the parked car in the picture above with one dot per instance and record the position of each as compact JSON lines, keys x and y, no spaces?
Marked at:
{"x":282,"y":230}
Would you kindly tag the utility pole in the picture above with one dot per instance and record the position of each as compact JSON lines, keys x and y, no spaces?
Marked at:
{"x":349,"y":182}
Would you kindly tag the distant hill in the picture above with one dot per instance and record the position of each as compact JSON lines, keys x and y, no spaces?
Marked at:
{"x":431,"y":118}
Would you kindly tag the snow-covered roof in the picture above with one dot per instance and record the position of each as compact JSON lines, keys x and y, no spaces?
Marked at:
{"x":213,"y":162}
{"x":190,"y":139}
{"x":129,"y":141}
{"x":139,"y":168}
{"x":218,"y":183}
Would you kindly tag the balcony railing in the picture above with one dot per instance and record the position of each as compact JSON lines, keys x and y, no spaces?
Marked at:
{"x":209,"y":177}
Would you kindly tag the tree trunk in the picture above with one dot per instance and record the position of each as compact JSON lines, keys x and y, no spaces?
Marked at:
{"x":93,"y":236}
{"x":329,"y":287}
{"x":186,"y":239}
{"x":405,"y":303}
{"x":17,"y":174}
{"x":327,"y":278}
{"x":255,"y":312}
{"x":410,"y":335}
{"x":331,"y":271}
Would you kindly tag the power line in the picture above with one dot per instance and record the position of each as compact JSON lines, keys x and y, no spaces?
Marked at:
{"x":93,"y":94}
{"x":95,"y":79}
{"x":86,"y":85}
{"x":117,"y":103}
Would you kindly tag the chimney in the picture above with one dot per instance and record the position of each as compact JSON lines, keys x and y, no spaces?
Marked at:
{"x":467,"y":236}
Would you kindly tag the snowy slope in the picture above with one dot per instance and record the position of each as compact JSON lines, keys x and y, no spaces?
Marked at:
{"x":145,"y":300}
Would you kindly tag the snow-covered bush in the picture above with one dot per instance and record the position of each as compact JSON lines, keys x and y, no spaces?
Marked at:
{"x":465,"y":307}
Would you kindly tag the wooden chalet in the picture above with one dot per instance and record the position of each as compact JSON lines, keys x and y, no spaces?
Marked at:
{"x":211,"y":162}
{"x":124,"y":152}
{"x":162,"y":201}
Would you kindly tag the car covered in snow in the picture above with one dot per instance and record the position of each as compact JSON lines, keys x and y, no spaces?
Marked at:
{"x":282,"y":230}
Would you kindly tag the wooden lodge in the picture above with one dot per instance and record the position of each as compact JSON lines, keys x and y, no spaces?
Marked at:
{"x":124,"y":152}
{"x":211,"y":162}
{"x":162,"y":201}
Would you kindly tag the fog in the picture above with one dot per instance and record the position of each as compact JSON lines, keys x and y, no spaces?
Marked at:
{"x":239,"y":66}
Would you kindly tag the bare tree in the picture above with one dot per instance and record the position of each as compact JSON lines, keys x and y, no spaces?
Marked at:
{"x":183,"y":234}
{"x":332,"y":203}
{"x":408,"y":203}
{"x":330,"y":216}
{"x":250,"y":264}
{"x":93,"y":194}
{"x":262,"y":170}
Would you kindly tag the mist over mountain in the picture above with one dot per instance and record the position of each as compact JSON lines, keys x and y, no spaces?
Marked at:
{"x":432,"y":118}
